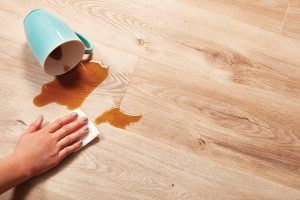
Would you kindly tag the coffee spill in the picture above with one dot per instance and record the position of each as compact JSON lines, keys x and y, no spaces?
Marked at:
{"x":117,"y":118}
{"x":56,"y":54}
{"x":70,"y":89}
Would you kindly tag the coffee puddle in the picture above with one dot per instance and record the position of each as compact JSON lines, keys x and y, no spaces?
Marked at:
{"x":117,"y":118}
{"x":72,"y":88}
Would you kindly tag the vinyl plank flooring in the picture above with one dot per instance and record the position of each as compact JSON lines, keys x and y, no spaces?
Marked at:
{"x":216,"y":82}
{"x":250,"y":129}
{"x":124,"y":165}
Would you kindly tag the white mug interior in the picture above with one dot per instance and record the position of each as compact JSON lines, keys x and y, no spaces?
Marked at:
{"x":64,"y":57}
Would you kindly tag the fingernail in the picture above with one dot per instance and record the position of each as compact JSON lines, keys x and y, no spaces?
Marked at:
{"x":39,"y":118}
{"x":80,"y":145}
{"x":74,"y":114}
{"x":84,"y":119}
{"x":86,"y":128}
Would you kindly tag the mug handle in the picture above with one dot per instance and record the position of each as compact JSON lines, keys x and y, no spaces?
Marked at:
{"x":86,"y":42}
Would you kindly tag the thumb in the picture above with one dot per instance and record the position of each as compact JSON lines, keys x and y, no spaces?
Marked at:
{"x":35,"y":126}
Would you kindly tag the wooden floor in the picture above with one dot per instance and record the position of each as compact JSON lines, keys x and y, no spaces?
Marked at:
{"x":216,"y":81}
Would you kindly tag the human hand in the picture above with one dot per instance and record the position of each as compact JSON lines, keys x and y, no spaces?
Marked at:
{"x":40,"y":149}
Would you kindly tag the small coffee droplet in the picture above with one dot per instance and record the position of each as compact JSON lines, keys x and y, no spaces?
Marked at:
{"x":66,"y":68}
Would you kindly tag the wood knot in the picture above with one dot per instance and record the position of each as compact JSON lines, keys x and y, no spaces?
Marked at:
{"x":140,"y":42}
{"x":201,"y":143}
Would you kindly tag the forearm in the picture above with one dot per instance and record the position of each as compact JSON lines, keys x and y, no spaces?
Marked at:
{"x":11,"y":173}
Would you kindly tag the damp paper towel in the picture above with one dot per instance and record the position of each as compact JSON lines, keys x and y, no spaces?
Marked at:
{"x":93,"y":131}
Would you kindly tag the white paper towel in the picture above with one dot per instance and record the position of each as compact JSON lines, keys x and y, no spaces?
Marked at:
{"x":93,"y":131}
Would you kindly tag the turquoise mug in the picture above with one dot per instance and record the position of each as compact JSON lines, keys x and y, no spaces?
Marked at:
{"x":57,"y":48}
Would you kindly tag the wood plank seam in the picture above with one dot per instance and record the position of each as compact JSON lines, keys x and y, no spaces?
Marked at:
{"x":125,"y":90}
{"x":284,"y":19}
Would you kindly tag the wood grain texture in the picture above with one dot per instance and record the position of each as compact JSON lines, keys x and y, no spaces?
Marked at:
{"x":264,"y":14}
{"x":124,"y":165}
{"x":217,"y":84}
{"x":247,"y":128}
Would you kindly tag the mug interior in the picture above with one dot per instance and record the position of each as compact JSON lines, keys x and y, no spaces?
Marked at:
{"x":64,"y":57}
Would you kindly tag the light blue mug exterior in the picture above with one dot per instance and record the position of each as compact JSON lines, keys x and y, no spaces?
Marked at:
{"x":44,"y":32}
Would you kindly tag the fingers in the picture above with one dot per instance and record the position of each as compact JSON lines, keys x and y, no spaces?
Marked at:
{"x":73,"y":138}
{"x":71,"y":142}
{"x":59,"y":123}
{"x":36,"y":125}
{"x":70,"y":128}
{"x":68,"y":150}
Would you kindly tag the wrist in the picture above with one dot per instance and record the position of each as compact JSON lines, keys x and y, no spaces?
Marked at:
{"x":19,"y":167}
{"x":11,"y":173}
